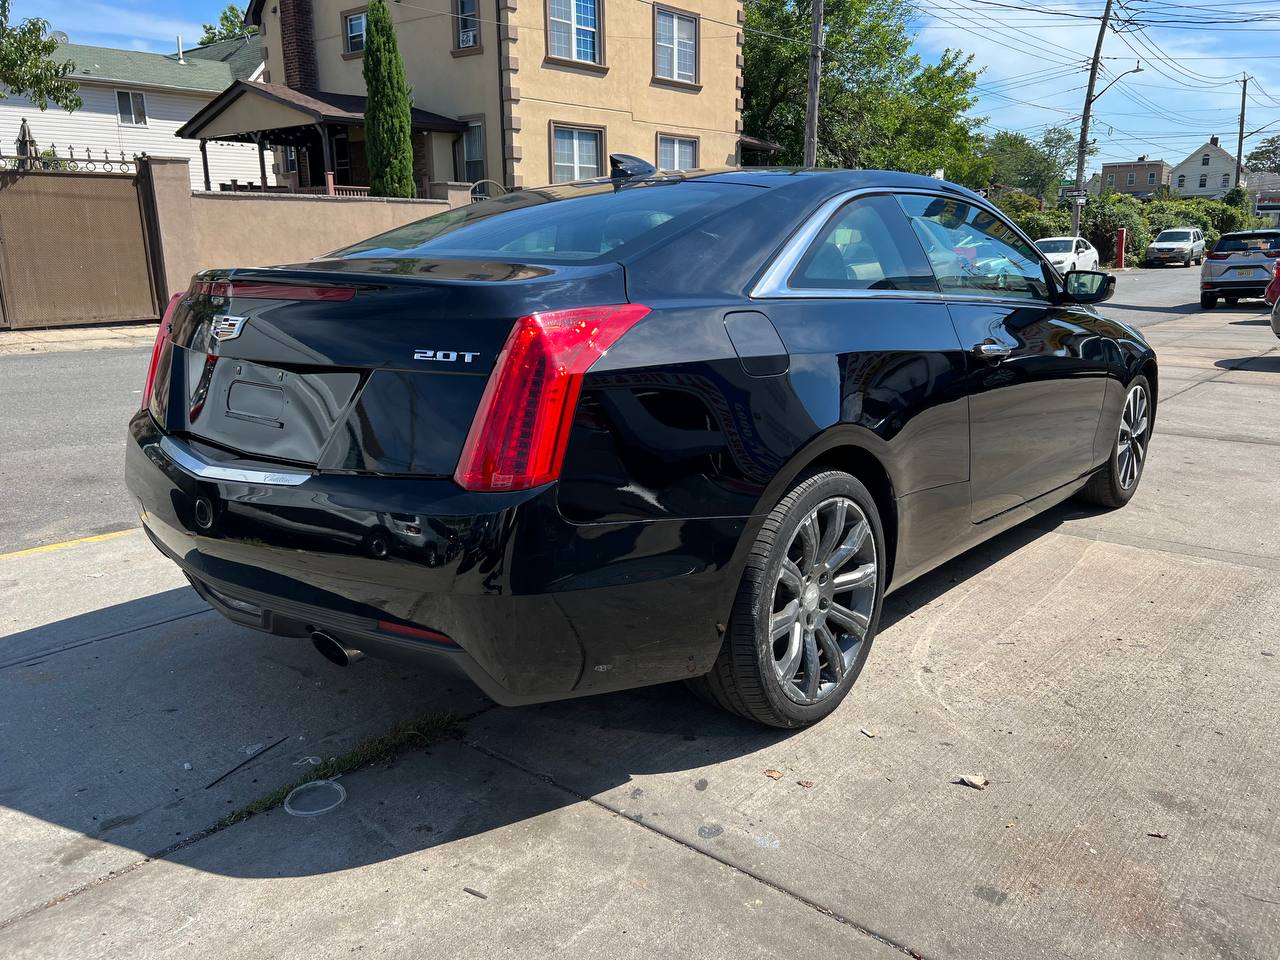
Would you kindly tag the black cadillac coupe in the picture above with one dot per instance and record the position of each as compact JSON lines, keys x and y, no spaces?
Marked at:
{"x":632,"y":430}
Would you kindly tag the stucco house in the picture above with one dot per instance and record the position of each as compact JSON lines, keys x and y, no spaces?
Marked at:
{"x":518,"y":94}
{"x":135,"y":102}
{"x":1209,"y":171}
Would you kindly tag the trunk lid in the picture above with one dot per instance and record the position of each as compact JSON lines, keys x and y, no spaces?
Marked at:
{"x":353,"y":365}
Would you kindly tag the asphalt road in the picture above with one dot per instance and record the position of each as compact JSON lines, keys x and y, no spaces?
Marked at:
{"x":61,"y":473}
{"x":1114,"y":675}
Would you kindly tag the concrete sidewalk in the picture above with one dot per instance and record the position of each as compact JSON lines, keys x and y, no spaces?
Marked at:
{"x":62,"y":339}
{"x":1116,"y":676}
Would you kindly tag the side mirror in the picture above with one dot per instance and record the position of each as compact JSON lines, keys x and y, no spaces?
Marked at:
{"x":1088,"y":286}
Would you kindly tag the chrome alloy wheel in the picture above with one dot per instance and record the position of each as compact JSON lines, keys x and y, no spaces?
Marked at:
{"x":1135,"y":430}
{"x":823,"y":600}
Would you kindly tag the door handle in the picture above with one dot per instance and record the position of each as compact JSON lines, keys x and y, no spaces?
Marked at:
{"x":990,"y":350}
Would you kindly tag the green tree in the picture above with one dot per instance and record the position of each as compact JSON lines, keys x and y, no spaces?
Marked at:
{"x":1265,"y":157}
{"x":388,"y":128}
{"x":229,"y":26}
{"x":29,"y":67}
{"x":1034,"y":166}
{"x":881,"y":105}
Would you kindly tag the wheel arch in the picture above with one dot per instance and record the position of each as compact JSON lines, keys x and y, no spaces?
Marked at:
{"x":841,"y":448}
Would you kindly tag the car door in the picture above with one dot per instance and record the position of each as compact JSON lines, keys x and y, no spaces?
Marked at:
{"x":1036,"y":376}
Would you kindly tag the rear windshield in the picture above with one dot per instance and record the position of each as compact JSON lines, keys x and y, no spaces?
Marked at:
{"x":1173,"y":236}
{"x":1238,"y":242}
{"x":1055,"y":246}
{"x":570,"y":224}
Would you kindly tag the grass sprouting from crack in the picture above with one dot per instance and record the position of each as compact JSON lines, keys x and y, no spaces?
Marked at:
{"x":383,"y":748}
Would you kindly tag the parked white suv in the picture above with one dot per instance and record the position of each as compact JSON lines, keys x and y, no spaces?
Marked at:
{"x":1069,"y":253}
{"x":1184,"y":245}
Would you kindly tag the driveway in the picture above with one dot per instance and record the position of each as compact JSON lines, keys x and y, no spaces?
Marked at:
{"x":1115,"y":676}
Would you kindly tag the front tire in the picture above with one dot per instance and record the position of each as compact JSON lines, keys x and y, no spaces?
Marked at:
{"x":807,"y":608}
{"x":1115,"y":484}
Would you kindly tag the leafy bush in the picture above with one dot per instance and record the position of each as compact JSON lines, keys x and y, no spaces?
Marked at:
{"x":1047,"y":223}
{"x":1103,"y":216}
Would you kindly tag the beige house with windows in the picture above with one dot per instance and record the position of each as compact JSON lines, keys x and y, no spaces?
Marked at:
{"x":512,"y":94}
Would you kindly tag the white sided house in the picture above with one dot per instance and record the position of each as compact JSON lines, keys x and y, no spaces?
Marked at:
{"x":134,"y":102}
{"x":1208,"y":172}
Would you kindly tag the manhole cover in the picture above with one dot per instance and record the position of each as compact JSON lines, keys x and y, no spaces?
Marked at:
{"x":314,"y":798}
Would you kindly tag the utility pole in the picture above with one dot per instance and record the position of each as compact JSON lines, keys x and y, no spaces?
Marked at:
{"x":1083,"y":150}
{"x":1244,"y":91}
{"x":815,"y":79}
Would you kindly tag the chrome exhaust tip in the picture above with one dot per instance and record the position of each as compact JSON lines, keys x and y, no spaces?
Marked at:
{"x":335,"y":651}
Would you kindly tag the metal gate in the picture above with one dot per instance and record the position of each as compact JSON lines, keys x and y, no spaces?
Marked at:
{"x":75,"y":247}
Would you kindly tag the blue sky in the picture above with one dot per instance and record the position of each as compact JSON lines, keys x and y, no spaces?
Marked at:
{"x":1034,"y":60}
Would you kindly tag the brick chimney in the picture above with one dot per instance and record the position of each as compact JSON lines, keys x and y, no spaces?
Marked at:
{"x":298,"y":45}
{"x":1213,"y":141}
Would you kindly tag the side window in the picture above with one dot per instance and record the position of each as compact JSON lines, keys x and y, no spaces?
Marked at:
{"x":867,"y":245}
{"x":973,"y":251}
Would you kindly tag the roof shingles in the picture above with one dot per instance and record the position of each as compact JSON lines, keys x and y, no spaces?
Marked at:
{"x":149,"y":69}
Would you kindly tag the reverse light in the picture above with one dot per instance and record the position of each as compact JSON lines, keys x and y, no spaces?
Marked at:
{"x":162,"y":334}
{"x":519,"y":434}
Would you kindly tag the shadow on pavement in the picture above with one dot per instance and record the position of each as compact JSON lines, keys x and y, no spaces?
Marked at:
{"x":115,"y":722}
{"x":1256,"y":364}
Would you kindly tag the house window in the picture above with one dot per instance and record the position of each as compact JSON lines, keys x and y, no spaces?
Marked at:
{"x":473,"y":152}
{"x":1204,"y":160}
{"x":290,"y":159}
{"x":1130,"y":179}
{"x":1204,"y":180}
{"x":1111,"y":179}
{"x":131,"y":108}
{"x":1182,"y":180}
{"x":1151,"y":177}
{"x":575,"y":154}
{"x":353,"y":32}
{"x":467,"y":25}
{"x":574,"y":30}
{"x":1226,"y":179}
{"x":677,"y":153}
{"x":675,"y":37}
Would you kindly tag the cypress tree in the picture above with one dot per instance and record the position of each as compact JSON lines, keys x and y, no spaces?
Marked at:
{"x":388,"y":128}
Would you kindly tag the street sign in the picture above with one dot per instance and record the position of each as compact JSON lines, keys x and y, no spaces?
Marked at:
{"x":1078,"y":201}
{"x":1075,"y":193}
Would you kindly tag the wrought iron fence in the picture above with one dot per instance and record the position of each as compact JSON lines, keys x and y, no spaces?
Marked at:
{"x":71,"y":162}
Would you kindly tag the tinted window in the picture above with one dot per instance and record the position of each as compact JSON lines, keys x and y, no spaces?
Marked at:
{"x":1234,"y":243}
{"x":973,"y":251}
{"x":564,"y":225}
{"x":1173,"y":236}
{"x":1054,"y":246}
{"x":866,"y":246}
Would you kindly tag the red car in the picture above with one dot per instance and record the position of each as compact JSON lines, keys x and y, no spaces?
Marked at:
{"x":1272,"y":293}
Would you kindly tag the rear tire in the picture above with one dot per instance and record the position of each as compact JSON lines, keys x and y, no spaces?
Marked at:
{"x":1232,"y":301}
{"x":1115,"y":484}
{"x":1208,"y":301}
{"x":807,"y":596}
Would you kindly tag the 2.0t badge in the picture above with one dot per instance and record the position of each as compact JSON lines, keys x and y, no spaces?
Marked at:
{"x":445,"y":356}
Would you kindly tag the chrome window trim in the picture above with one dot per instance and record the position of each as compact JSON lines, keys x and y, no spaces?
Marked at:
{"x":774,"y":282}
{"x":186,"y":459}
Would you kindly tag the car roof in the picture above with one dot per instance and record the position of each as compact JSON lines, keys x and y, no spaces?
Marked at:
{"x":1060,"y":238}
{"x":831,"y":180}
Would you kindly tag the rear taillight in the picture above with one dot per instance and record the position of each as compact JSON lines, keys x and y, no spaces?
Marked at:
{"x":271,"y":291}
{"x":1271,"y":253}
{"x":520,"y":431}
{"x":1219,"y":256}
{"x":162,"y":334}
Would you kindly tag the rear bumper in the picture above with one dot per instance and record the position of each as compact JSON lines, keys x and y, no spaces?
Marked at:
{"x":1236,"y":288}
{"x":536,"y":608}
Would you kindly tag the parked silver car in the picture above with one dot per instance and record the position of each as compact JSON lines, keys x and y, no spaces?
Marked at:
{"x":1184,"y":245}
{"x":1240,"y":265}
